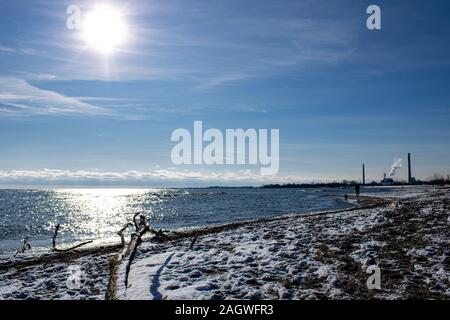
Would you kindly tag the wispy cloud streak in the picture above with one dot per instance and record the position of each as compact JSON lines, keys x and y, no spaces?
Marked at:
{"x":19,"y":98}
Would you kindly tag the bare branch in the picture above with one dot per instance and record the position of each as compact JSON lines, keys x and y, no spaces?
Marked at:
{"x":134,"y":244}
{"x":55,"y":234}
{"x":129,"y":251}
{"x":54,"y":248}
{"x":136,"y":225}
{"x":74,"y":247}
{"x":25,"y":246}
{"x":191,"y":247}
{"x":120,"y":233}
{"x":159,"y":235}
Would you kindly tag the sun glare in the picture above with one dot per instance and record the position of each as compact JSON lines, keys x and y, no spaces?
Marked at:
{"x":104,"y":29}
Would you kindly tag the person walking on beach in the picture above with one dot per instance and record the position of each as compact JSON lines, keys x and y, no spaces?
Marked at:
{"x":357,"y":188}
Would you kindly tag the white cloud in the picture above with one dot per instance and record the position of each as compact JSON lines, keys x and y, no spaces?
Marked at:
{"x":49,"y":176}
{"x":19,"y":98}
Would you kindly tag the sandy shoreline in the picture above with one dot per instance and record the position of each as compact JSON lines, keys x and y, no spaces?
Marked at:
{"x":291,"y":257}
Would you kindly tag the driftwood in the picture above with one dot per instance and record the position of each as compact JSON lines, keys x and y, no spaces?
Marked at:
{"x":25,"y":246}
{"x":122,"y":237}
{"x":136,"y":227}
{"x":136,"y":240}
{"x":159,"y":235}
{"x":55,"y":234}
{"x":191,"y":247}
{"x":54,"y":248}
{"x":141,"y":228}
{"x":141,"y":223}
{"x":129,"y":250}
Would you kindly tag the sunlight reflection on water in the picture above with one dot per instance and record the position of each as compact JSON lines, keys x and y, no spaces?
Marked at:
{"x":100,"y":213}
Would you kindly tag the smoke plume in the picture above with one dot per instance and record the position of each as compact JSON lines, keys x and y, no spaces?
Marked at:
{"x":396,"y":165}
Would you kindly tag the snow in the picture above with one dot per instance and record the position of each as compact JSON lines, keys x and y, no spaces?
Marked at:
{"x":291,"y":257}
{"x":51,"y":280}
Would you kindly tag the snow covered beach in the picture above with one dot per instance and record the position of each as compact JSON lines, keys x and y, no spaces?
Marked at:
{"x":314,"y":256}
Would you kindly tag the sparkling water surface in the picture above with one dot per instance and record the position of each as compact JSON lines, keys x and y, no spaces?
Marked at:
{"x":100,"y":213}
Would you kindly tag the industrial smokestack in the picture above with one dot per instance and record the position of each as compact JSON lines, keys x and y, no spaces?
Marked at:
{"x":364,"y":174}
{"x":409,"y":168}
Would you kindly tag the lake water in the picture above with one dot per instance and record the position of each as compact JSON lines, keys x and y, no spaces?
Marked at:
{"x":100,"y":213}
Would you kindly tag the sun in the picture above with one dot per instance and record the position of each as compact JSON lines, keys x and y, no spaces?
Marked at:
{"x":104,"y":29}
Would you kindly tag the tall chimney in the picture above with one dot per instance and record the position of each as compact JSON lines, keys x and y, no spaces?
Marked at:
{"x":364,"y":174}
{"x":409,"y":168}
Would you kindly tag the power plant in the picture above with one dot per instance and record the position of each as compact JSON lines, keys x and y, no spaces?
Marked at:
{"x":388,"y":179}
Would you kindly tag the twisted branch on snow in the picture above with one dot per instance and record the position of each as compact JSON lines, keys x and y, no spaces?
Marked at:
{"x":25,"y":246}
{"x":54,"y":248}
{"x":120,"y":233}
{"x":191,"y":247}
{"x":136,"y":240}
{"x":129,"y":250}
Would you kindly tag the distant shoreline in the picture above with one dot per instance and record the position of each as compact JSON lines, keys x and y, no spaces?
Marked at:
{"x":349,"y":184}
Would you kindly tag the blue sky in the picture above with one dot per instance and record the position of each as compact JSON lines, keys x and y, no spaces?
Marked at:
{"x":340,"y":94}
